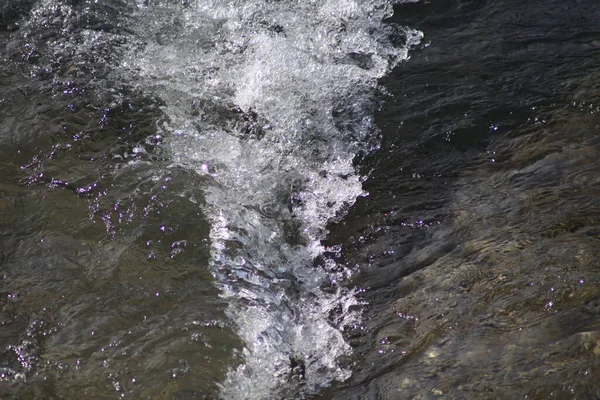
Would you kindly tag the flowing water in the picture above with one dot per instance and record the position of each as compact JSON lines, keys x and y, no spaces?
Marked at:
{"x":270,"y":199}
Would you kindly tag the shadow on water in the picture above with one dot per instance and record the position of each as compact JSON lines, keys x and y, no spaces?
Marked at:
{"x":478,"y":243}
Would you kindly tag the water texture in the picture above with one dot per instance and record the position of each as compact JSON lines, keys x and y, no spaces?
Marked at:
{"x":272,"y":199}
{"x":262,"y":108}
{"x":478,"y":243}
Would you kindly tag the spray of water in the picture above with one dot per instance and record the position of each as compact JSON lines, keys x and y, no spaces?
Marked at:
{"x":271,"y":101}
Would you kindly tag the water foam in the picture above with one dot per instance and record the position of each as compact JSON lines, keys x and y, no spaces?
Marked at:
{"x":271,"y":101}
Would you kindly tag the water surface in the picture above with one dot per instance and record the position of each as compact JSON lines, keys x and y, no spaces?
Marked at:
{"x":265,"y":200}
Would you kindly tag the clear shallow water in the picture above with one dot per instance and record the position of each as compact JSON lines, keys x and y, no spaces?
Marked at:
{"x":169,"y":171}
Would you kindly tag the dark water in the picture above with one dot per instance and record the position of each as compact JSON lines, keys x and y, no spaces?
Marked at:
{"x":470,"y":270}
{"x":481,"y":256}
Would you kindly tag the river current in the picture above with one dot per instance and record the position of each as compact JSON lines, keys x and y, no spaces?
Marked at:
{"x":271,"y":199}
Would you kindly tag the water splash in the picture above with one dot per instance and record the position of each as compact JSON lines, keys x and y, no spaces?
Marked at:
{"x":271,"y":101}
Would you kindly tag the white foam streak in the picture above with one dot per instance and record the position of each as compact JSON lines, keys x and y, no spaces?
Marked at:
{"x":303,"y":75}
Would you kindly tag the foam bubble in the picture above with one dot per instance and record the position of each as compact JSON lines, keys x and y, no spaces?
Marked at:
{"x":271,"y":100}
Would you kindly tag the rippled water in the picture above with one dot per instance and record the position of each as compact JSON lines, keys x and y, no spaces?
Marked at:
{"x":265,"y":199}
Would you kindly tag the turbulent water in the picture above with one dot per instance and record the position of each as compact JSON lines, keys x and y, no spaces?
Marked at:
{"x":267,"y":199}
{"x":256,"y":106}
{"x":267,"y":103}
